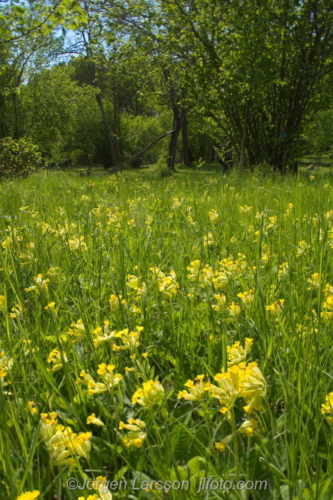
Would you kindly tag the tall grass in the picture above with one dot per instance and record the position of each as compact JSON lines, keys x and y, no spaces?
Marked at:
{"x":182,"y":269}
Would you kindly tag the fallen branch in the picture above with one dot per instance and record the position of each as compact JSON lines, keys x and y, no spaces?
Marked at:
{"x":119,"y":167}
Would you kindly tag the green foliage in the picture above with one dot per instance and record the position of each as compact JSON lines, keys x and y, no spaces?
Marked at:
{"x":18,"y":158}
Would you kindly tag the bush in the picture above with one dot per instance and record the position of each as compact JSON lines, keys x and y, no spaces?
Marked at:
{"x":18,"y":158}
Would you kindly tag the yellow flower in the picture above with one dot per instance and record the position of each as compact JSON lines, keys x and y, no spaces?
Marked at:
{"x":196,"y":391}
{"x":40,"y":286}
{"x":77,"y":330}
{"x":50,"y":307}
{"x":327,"y":407}
{"x":234,"y":309}
{"x":248,"y":427}
{"x":213,"y":216}
{"x":245,"y":209}
{"x":247,"y":298}
{"x":57,"y":359}
{"x":151,"y":393}
{"x":227,"y":390}
{"x":221,"y":300}
{"x":31,"y":406}
{"x":29,"y":495}
{"x":237,"y":353}
{"x":276,"y":309}
{"x":137,"y":433}
{"x":253,"y":387}
{"x":315,"y":280}
{"x":208,"y":239}
{"x":92,"y":419}
{"x":220,"y":446}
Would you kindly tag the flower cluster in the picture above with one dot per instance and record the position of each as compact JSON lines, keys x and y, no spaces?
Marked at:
{"x":64,"y":445}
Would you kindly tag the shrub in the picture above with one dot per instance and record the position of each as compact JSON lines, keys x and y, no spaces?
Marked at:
{"x":18,"y":158}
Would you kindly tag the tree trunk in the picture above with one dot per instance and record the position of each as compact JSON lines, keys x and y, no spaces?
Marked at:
{"x":178,"y":120}
{"x":186,"y":151}
{"x":242,"y":151}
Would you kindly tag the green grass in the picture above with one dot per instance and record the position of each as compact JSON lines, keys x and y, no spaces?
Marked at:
{"x":97,"y":237}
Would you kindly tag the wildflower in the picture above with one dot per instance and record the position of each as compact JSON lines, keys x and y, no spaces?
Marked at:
{"x":206,"y":277}
{"x":136,"y":436}
{"x":314,"y":281}
{"x":92,"y":419}
{"x":106,"y":372}
{"x":237,"y":353}
{"x":220,"y":280}
{"x":194,"y":269}
{"x":196,"y":391}
{"x":101,"y":485}
{"x":265,"y":257}
{"x":276,"y":309}
{"x":51,"y":307}
{"x":245,"y":210}
{"x":208,"y":239}
{"x":129,"y":339}
{"x":302,"y":248}
{"x":213,"y":216}
{"x":77,"y":330}
{"x":253,"y":387}
{"x":57,"y":359}
{"x":327,"y":407}
{"x":29,"y":495}
{"x":220,"y":446}
{"x":62,"y":443}
{"x":40,"y":286}
{"x":248,"y":427}
{"x":77,"y":244}
{"x":283,"y":269}
{"x":16,"y":311}
{"x":290,"y":208}
{"x":103,"y":334}
{"x":166,"y":284}
{"x":221,"y":300}
{"x":132,"y":282}
{"x":114,"y":301}
{"x":247,"y":298}
{"x":234,"y":310}
{"x":227,"y":390}
{"x":31,"y":407}
{"x":151,"y":393}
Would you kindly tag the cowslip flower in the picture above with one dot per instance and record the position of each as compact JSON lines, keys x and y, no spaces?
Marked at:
{"x":253,"y":387}
{"x":92,"y":419}
{"x":196,"y":390}
{"x":130,"y":340}
{"x":137,"y":433}
{"x":276,"y":309}
{"x":327,"y":407}
{"x":248,"y":427}
{"x":29,"y":495}
{"x":101,"y":485}
{"x":213,"y":216}
{"x":237,"y":353}
{"x":103,"y":334}
{"x":221,"y":300}
{"x":152,"y":392}
{"x":247,"y":298}
{"x":106,"y":372}
{"x":40,"y":286}
{"x":228,"y":388}
{"x":56,"y":358}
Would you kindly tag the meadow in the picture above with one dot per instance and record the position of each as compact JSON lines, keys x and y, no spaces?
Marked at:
{"x":159,"y":336}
